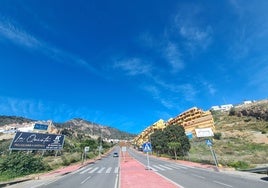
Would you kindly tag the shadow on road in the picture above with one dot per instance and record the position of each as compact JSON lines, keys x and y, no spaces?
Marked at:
{"x":265,"y":178}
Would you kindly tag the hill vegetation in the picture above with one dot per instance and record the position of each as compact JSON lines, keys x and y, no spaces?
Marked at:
{"x":78,"y":133}
{"x":240,"y":140}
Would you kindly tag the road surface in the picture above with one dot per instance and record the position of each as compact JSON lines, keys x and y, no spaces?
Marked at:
{"x":192,"y":177}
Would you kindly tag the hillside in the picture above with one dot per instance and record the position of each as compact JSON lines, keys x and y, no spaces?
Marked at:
{"x":77,"y":125}
{"x":94,"y":129}
{"x":240,"y":138}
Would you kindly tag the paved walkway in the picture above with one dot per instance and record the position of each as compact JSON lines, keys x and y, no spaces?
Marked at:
{"x":134,"y":175}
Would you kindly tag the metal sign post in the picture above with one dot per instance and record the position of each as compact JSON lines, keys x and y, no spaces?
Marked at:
{"x":147,"y":147}
{"x":124,"y":149}
{"x":209,"y":144}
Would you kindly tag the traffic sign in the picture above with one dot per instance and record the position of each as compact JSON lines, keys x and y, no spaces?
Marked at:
{"x":209,"y":142}
{"x":147,"y":147}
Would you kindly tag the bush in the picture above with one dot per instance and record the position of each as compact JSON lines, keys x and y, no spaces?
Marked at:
{"x":239,"y":164}
{"x":217,"y":136}
{"x":20,"y":164}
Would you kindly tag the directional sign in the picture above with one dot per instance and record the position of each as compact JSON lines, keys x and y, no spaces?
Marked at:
{"x":38,"y":126}
{"x":209,"y":142}
{"x":147,"y":147}
{"x":86,"y":149}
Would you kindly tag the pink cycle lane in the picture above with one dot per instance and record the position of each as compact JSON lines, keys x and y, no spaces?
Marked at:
{"x":134,"y":175}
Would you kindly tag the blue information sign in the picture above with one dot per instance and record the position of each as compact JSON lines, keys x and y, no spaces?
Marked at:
{"x":209,"y":142}
{"x":147,"y":147}
{"x":38,"y":126}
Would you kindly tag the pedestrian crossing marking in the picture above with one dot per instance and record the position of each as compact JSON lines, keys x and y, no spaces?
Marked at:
{"x":108,"y":170}
{"x":153,"y":169}
{"x":116,"y":170}
{"x":95,"y":169}
{"x":100,"y":171}
{"x":176,"y":166}
{"x":165,"y":167}
{"x":84,"y":171}
{"x":155,"y":166}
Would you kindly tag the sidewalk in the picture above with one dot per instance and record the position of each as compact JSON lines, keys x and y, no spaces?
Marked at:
{"x":134,"y":175}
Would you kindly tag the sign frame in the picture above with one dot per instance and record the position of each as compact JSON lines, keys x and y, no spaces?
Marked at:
{"x":37,"y":141}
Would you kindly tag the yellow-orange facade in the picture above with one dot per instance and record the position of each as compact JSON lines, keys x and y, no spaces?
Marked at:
{"x":191,"y":119}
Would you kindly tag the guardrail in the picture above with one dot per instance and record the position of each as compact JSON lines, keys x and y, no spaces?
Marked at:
{"x":263,"y":170}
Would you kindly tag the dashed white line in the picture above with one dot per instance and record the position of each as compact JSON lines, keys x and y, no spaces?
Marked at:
{"x":202,"y":177}
{"x":222,"y":184}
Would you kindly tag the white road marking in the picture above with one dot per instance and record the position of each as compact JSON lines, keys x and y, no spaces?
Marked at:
{"x":84,"y":171}
{"x":178,"y":185}
{"x":176,"y":166}
{"x":116,"y":170}
{"x":166,"y":167}
{"x":100,"y":171}
{"x":116,"y":181}
{"x":108,"y":170}
{"x":85,"y":180}
{"x":159,"y":168}
{"x":153,"y":169}
{"x":96,"y":168}
{"x":202,"y":177}
{"x":222,"y":183}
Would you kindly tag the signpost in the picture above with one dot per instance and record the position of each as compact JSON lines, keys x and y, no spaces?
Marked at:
{"x":207,"y":132}
{"x":147,"y":147}
{"x":209,"y":144}
{"x":84,"y":155}
{"x":124,"y":149}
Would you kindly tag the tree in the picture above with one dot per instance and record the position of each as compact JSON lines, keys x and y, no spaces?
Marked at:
{"x":158,"y":141}
{"x":176,"y":133}
{"x":174,"y":146}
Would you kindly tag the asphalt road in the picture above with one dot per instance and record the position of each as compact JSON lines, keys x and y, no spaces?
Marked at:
{"x":101,"y":174}
{"x":192,"y":177}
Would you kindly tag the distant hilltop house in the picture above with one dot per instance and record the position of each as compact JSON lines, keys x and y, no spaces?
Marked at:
{"x":227,"y":107}
{"x":39,"y":127}
{"x":223,"y":108}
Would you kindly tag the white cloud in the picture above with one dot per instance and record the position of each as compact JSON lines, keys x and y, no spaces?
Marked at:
{"x":18,"y":36}
{"x":156,"y":93}
{"x":38,"y":110}
{"x":173,"y":57}
{"x":133,"y":66}
{"x":194,"y":33}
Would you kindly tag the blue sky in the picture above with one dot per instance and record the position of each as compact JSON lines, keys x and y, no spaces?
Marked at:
{"x":126,"y":64}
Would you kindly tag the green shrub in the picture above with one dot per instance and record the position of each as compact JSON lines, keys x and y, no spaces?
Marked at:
{"x":20,"y":164}
{"x":239,"y":164}
{"x":217,"y":136}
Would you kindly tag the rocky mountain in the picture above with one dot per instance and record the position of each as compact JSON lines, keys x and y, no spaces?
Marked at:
{"x":94,"y":129}
{"x":77,"y":125}
{"x":258,"y":110}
